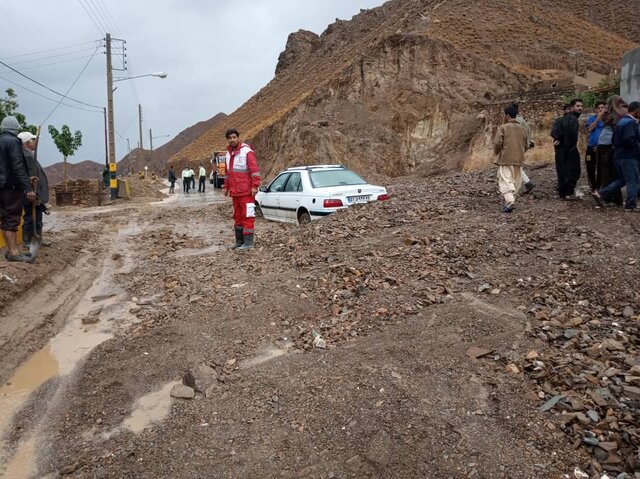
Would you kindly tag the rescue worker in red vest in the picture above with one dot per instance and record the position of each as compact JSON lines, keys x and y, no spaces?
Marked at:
{"x":241,"y":183}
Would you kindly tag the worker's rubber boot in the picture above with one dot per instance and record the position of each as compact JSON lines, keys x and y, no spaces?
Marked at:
{"x":239,"y":238}
{"x":26,"y":238}
{"x":248,"y":243}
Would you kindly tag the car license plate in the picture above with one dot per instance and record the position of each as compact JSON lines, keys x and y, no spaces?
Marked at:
{"x":358,"y":199}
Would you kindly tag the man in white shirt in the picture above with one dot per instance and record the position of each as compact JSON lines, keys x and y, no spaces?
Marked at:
{"x":186,"y":180}
{"x":192,"y":175}
{"x":202,"y":178}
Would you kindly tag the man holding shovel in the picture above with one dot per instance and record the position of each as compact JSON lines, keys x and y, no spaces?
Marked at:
{"x":41,"y":185}
{"x":14,"y":183}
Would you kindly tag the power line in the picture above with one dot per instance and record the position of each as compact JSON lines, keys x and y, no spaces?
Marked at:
{"x":48,"y":50}
{"x":46,"y":87}
{"x":115,"y":24}
{"x":48,"y":57}
{"x":46,"y":97}
{"x":89,"y":15}
{"x":44,"y":65}
{"x":96,"y":16}
{"x":72,"y":85}
{"x":102,"y":16}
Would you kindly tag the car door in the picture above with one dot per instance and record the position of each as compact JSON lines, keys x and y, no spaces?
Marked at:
{"x":270,"y":199}
{"x":290,"y":198}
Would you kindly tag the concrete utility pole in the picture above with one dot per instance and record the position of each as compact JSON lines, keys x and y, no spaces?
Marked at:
{"x":106,"y":139}
{"x":141,"y":145}
{"x":150,"y":140}
{"x":113,"y":182}
{"x":129,"y":155}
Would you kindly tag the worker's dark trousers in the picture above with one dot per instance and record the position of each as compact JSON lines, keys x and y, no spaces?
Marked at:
{"x":201,"y":183}
{"x":568,"y":170}
{"x":186,"y":185}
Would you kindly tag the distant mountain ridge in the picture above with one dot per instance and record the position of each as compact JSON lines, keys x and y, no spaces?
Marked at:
{"x":157,"y":159}
{"x":403,"y":88}
{"x":84,"y":169}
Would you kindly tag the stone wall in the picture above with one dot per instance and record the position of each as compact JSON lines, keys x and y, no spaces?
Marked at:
{"x":538,"y":106}
{"x":78,"y":193}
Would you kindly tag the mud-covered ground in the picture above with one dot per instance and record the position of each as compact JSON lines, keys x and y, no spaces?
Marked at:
{"x":442,"y":328}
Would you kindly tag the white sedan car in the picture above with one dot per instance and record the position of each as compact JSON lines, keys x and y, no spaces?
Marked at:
{"x":306,"y":193}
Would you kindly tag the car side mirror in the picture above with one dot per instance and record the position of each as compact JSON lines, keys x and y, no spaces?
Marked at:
{"x":263,"y":189}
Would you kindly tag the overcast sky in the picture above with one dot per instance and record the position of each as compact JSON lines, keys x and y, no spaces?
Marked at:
{"x":217,"y":55}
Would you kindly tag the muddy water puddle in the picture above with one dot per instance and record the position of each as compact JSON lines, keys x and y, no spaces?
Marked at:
{"x":103,"y":302}
{"x":266,"y":353}
{"x":150,"y":409}
{"x":210,"y":196}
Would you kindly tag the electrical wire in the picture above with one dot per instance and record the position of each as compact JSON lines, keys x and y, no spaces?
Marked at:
{"x":72,"y":85}
{"x":44,"y":65}
{"x":92,"y":19}
{"x":46,"y":87}
{"x":47,"y":98}
{"x":104,"y":27}
{"x":115,"y":24}
{"x":49,"y":57}
{"x":102,"y":16}
{"x":48,"y":50}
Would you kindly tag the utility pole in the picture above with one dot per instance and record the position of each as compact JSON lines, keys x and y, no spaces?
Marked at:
{"x":129,"y":155}
{"x":113,"y":182}
{"x":106,"y":139}
{"x":150,"y":140}
{"x":141,"y":145}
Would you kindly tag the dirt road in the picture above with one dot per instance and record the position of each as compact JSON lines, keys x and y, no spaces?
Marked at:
{"x":447,"y":326}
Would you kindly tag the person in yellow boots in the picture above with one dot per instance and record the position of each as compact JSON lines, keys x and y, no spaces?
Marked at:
{"x":14,"y":184}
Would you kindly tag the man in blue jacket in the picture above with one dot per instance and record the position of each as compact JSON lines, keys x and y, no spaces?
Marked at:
{"x":626,"y":155}
{"x":593,"y":127}
{"x":14,"y":183}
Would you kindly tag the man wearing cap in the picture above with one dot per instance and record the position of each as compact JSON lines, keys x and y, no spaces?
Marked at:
{"x":509,"y":146}
{"x":242,"y":182}
{"x":36,"y":172}
{"x":14,"y":183}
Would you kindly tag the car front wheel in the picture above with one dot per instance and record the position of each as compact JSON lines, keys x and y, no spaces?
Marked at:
{"x":304,"y":218}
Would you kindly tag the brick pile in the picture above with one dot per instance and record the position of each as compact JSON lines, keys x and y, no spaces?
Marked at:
{"x":80,"y":192}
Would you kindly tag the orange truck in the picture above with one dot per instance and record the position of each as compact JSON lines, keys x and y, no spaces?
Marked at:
{"x":218,"y":169}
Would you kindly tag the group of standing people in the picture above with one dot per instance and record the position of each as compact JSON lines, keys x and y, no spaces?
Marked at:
{"x":23,"y":188}
{"x":612,"y":156}
{"x":188,"y":179}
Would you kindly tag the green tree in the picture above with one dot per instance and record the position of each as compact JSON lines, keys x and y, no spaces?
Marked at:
{"x":67,"y":143}
{"x":8,"y":107}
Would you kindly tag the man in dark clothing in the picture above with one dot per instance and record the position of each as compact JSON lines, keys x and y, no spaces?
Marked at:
{"x":14,"y":183}
{"x":593,"y":127}
{"x":626,"y":155}
{"x":172,"y":180}
{"x":565,"y":135}
{"x":37,"y":175}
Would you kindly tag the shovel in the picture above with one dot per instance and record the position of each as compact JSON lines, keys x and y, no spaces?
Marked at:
{"x":36,"y":240}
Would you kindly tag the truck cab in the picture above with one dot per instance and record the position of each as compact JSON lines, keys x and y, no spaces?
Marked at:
{"x":218,"y":169}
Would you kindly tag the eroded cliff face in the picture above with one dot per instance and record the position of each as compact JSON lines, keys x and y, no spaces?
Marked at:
{"x":408,"y":104}
{"x":405,"y":88}
{"x":299,"y":44}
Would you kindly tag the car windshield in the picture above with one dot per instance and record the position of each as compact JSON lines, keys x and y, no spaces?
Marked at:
{"x":323,"y":179}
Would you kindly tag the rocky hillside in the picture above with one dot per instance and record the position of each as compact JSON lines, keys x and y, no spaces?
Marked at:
{"x":157,"y":159}
{"x":83,"y":170}
{"x":403,"y":87}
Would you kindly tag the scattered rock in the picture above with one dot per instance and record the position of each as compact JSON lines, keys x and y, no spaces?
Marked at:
{"x":475,"y":352}
{"x":180,"y":391}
